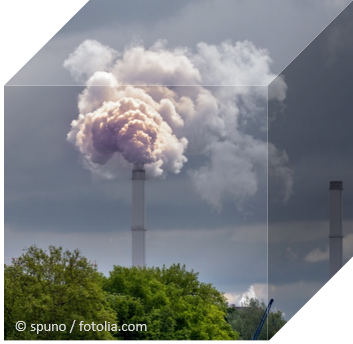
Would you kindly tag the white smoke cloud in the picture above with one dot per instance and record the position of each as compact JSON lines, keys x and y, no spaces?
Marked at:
{"x":230,"y":171}
{"x":241,"y":298}
{"x":131,"y":128}
{"x":156,"y":66}
{"x":179,"y":121}
{"x":240,"y":64}
{"x":249,"y":294}
{"x":88,"y":58}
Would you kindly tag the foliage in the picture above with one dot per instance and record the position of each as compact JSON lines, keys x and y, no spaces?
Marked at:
{"x":246,"y":319}
{"x":54,"y":288}
{"x":170,"y":301}
{"x":58,"y":287}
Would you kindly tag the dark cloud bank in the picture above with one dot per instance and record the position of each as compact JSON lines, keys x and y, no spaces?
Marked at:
{"x":314,"y":126}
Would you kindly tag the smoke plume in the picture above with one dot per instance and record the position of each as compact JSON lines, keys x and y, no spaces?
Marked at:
{"x":150,"y":106}
{"x":129,"y":127}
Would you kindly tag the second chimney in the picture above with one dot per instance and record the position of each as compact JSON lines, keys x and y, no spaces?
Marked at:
{"x":336,"y":236}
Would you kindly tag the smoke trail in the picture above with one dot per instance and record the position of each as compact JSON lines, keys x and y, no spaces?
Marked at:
{"x":161,"y":125}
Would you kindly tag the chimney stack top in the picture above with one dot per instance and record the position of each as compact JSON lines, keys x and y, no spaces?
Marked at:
{"x":336,"y":185}
{"x":138,"y":166}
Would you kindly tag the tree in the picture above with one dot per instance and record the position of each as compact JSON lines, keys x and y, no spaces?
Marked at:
{"x":54,"y":288}
{"x":170,"y":301}
{"x":247,"y":318}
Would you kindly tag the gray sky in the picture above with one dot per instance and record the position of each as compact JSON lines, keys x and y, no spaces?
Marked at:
{"x":51,"y":199}
{"x":285,"y":28}
{"x":314,"y":125}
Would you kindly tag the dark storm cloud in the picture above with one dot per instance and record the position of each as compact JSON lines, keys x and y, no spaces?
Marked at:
{"x":314,"y":127}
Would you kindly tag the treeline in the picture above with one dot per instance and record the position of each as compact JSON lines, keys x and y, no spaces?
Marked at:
{"x":58,"y":287}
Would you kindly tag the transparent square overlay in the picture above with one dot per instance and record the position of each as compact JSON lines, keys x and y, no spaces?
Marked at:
{"x":210,"y":216}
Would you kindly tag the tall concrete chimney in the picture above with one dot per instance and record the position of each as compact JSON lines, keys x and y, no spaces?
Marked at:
{"x":336,"y":236}
{"x":138,"y":215}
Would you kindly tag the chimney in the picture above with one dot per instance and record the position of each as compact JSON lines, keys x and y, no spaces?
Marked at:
{"x":138,"y":215}
{"x":336,"y":236}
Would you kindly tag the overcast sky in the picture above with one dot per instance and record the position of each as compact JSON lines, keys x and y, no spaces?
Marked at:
{"x":51,"y":199}
{"x":314,"y":125}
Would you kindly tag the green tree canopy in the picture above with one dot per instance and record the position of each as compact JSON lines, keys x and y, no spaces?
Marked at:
{"x":58,"y":287}
{"x":247,"y":318}
{"x":54,"y":288}
{"x":170,"y":301}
